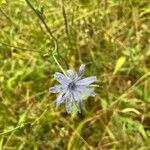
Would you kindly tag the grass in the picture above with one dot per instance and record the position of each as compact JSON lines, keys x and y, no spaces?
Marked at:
{"x":112,"y":37}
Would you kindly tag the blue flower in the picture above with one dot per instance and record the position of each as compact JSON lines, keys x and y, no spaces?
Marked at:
{"x":72,"y":87}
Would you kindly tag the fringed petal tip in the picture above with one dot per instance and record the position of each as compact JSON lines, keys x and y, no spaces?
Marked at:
{"x":81,"y":70}
{"x":93,"y":85}
{"x":87,"y":81}
{"x":61,"y":78}
{"x":71,"y":74}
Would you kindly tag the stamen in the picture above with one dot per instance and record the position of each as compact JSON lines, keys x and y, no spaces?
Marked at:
{"x":72,"y":86}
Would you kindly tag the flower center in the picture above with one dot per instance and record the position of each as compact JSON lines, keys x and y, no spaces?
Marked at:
{"x":72,"y":86}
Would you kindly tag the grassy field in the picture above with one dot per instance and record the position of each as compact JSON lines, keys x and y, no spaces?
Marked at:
{"x":112,"y":37}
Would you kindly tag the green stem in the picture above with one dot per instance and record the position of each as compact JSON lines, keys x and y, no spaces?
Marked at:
{"x":60,"y":66}
{"x":12,"y":130}
{"x":50,"y":33}
{"x":41,"y":18}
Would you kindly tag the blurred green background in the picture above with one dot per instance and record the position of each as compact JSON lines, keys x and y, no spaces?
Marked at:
{"x":112,"y":37}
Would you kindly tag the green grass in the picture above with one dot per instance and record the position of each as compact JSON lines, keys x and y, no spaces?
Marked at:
{"x":112,"y":37}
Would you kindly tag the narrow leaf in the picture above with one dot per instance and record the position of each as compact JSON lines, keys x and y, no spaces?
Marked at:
{"x":131,"y":110}
{"x":119,"y":64}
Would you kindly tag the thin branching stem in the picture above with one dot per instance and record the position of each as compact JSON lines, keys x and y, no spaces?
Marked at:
{"x":42,"y":19}
{"x":50,"y":33}
{"x":16,"y":47}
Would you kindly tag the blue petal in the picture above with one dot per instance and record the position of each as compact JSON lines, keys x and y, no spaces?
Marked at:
{"x":61,"y":78}
{"x":86,"y":81}
{"x":81,"y":70}
{"x":93,"y":85}
{"x":78,"y":100}
{"x":82,"y":103}
{"x":83,"y":89}
{"x":67,"y":94}
{"x":62,"y":97}
{"x":59,"y":100}
{"x":57,"y":89}
{"x":71,"y":74}
{"x":68,"y":105}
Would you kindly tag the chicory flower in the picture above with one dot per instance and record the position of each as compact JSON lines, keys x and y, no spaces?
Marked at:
{"x":72,"y":87}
